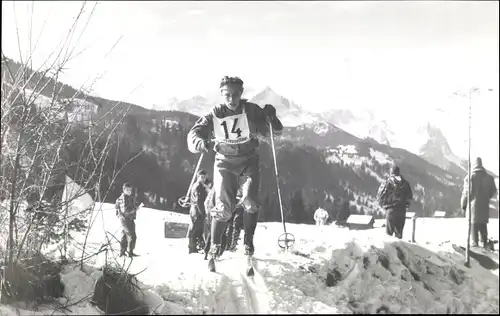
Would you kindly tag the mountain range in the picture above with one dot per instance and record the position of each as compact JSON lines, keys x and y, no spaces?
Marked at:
{"x":421,"y":138}
{"x":321,"y":163}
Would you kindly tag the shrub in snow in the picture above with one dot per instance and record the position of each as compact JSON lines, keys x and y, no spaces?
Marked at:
{"x":116,"y":292}
{"x":34,"y":279}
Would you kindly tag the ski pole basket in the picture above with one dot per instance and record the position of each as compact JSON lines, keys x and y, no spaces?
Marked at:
{"x":286,"y":240}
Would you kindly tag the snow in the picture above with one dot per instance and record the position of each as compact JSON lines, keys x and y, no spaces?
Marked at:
{"x":40,"y":100}
{"x":382,"y":158}
{"x":347,"y":149}
{"x":377,"y":272}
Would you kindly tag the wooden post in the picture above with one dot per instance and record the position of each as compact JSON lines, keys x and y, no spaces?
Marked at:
{"x":414,"y":221}
{"x":413,"y":217}
{"x":469,"y":217}
{"x":467,"y":250}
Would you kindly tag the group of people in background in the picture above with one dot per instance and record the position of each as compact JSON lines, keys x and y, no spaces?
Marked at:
{"x":220,"y":210}
{"x":395,"y":195}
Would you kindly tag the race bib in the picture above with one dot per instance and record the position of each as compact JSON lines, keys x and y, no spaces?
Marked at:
{"x":232,"y":129}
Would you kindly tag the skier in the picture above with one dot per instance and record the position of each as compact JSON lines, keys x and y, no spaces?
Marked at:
{"x":235,"y":125}
{"x":482,"y":189}
{"x":320,"y":216}
{"x":126,"y":211}
{"x":394,"y":195}
{"x":198,"y":195}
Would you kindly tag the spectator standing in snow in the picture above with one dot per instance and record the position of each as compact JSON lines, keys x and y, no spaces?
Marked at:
{"x":198,"y":195}
{"x":482,"y":189}
{"x":395,"y":195}
{"x":320,"y":216}
{"x":235,"y":125}
{"x":126,"y":211}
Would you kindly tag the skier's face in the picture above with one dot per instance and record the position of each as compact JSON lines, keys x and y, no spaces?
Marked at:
{"x":127,"y":191}
{"x":231,"y":93}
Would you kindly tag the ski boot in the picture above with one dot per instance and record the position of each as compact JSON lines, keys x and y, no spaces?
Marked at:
{"x":131,"y":254}
{"x":248,"y":257}
{"x":214,"y":254}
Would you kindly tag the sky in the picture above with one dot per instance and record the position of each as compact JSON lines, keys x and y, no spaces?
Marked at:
{"x":380,"y":55}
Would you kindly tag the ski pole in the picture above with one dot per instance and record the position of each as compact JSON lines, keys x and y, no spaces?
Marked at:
{"x":183,"y":201}
{"x":277,"y":177}
{"x":288,"y":239}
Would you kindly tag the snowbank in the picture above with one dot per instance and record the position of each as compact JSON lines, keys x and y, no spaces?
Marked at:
{"x":329,"y":270}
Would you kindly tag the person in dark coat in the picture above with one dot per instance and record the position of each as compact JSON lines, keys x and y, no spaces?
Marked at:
{"x":482,"y":189}
{"x":395,"y":195}
{"x":197,"y":212}
{"x":126,"y":211}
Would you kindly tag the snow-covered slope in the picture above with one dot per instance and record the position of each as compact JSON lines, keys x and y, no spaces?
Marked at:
{"x":328,"y":270}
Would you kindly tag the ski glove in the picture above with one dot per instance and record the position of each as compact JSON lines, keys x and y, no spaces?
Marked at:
{"x":203,"y":145}
{"x":269,"y":112}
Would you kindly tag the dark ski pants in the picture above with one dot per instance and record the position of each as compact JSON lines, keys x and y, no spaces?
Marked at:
{"x":395,"y":222}
{"x":129,"y":236}
{"x":479,"y":229}
{"x":195,"y":229}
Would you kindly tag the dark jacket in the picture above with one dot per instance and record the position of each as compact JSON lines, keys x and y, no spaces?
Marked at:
{"x":394,"y":193}
{"x":483,"y":188}
{"x":257,"y":126}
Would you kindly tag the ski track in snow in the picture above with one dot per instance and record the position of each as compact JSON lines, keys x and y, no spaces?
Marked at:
{"x":294,"y":282}
{"x":248,"y":295}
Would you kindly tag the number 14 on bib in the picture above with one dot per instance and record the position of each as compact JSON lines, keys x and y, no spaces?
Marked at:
{"x":232,"y":129}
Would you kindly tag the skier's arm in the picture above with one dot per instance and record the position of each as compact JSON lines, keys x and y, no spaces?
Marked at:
{"x":199,"y":135}
{"x":263,"y":120}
